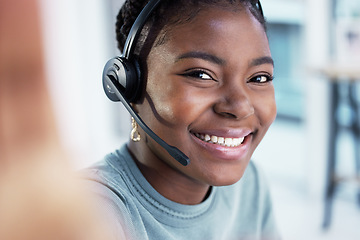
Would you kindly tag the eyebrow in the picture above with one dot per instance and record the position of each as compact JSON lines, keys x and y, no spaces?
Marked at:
{"x":220,"y":61}
{"x":262,"y":60}
{"x":201,"y":55}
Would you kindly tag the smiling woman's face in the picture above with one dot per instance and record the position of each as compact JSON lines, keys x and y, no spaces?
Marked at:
{"x":209,"y":93}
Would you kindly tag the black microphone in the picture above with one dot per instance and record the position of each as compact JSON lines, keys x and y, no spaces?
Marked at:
{"x":111,"y":86}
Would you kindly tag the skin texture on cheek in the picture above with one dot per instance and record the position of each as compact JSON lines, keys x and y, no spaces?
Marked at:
{"x":170,"y":101}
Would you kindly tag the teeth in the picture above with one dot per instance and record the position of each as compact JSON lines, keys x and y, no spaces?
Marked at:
{"x":228,"y":142}
{"x":207,"y":138}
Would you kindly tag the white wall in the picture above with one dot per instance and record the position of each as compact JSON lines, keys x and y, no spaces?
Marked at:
{"x":78,"y":40}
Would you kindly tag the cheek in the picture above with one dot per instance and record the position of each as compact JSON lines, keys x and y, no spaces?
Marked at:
{"x":265,"y":107}
{"x":159,"y":100}
{"x":176,"y":104}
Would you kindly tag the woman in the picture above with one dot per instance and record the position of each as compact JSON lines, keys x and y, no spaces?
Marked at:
{"x":208,"y":91}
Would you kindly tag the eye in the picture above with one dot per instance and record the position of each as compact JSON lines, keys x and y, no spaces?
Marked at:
{"x":261,"y":79}
{"x":199,"y":74}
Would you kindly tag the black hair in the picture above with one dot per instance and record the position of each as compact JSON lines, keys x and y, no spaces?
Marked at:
{"x":170,"y":13}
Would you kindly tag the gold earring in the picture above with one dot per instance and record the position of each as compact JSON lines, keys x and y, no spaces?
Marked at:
{"x":135,"y":135}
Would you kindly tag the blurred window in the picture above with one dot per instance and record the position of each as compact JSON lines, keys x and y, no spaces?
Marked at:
{"x":287,"y":51}
{"x":286,"y":19}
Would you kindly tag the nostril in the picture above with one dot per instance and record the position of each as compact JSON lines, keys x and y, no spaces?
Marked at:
{"x":228,"y":115}
{"x":237,"y":106}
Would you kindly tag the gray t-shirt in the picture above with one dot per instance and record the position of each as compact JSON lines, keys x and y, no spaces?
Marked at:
{"x":239,"y":211}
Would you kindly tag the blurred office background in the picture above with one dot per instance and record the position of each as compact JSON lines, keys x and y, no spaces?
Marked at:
{"x":309,"y":41}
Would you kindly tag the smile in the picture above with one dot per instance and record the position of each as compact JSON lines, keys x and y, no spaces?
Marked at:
{"x":222,"y":141}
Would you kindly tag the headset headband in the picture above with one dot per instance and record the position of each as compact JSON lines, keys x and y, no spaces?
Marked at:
{"x":258,"y":6}
{"x":140,"y":22}
{"x":137,"y":26}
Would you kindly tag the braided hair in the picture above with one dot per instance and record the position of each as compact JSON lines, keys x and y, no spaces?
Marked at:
{"x":170,"y":13}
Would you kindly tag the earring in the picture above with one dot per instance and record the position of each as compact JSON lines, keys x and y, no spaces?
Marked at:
{"x":135,"y":135}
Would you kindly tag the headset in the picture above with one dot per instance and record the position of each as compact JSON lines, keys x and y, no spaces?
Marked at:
{"x":122,"y":80}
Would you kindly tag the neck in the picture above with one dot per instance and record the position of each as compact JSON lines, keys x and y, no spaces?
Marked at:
{"x":167,"y":180}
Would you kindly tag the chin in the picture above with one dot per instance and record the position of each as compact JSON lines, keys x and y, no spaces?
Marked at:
{"x":225,"y":179}
{"x":226,"y":182}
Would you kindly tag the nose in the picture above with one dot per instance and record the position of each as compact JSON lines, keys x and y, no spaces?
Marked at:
{"x":235,"y":103}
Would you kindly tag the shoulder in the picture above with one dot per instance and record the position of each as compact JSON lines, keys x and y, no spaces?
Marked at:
{"x":255,"y":175}
{"x":255,"y":184}
{"x":108,"y":185}
{"x":111,"y":177}
{"x":251,"y":191}
{"x":109,"y":174}
{"x":250,"y":202}
{"x":262,"y":202}
{"x":253,"y":181}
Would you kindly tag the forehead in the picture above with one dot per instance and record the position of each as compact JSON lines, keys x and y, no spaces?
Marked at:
{"x":216,"y":30}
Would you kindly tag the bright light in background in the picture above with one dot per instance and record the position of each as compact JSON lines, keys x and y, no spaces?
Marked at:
{"x":79,"y":40}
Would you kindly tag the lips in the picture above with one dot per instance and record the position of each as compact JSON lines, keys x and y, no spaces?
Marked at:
{"x":220,"y":140}
{"x":229,"y":145}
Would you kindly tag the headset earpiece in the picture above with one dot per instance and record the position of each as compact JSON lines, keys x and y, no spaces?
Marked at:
{"x":124,"y":72}
{"x":126,"y":76}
